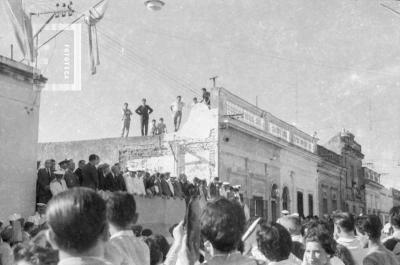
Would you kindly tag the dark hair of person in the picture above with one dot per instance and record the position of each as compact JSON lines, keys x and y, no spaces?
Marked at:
{"x":77,"y":219}
{"x":372,"y":226}
{"x":298,"y":250}
{"x":121,"y":209}
{"x":223,"y":223}
{"x":147,"y":232}
{"x":28,"y":226}
{"x":7,"y":234}
{"x":274,"y":241}
{"x":35,"y":255}
{"x":156,"y":255}
{"x":394,"y":214}
{"x":391,"y":243}
{"x":93,"y":157}
{"x":137,"y":230}
{"x":344,"y":254}
{"x":162,"y":243}
{"x":126,"y":103}
{"x":321,"y":235}
{"x":81,"y":161}
{"x":345,"y":221}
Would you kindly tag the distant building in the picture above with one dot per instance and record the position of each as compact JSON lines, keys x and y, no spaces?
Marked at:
{"x":396,"y":197}
{"x":331,"y":181}
{"x":386,"y":203}
{"x":273,"y":161}
{"x":344,"y":144}
{"x":20,"y":88}
{"x":373,"y":188}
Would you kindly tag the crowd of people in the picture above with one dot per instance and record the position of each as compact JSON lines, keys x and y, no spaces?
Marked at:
{"x":144,"y":111}
{"x":82,"y":226}
{"x":88,"y":216}
{"x":105,"y":177}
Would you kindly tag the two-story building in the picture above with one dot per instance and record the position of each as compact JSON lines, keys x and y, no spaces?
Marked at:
{"x":273,"y":161}
{"x":386,"y":203}
{"x":396,"y":196}
{"x":373,"y":188}
{"x":331,"y":181}
{"x":344,"y":144}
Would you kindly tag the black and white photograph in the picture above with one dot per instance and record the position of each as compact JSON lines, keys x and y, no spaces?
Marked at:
{"x":188,"y":132}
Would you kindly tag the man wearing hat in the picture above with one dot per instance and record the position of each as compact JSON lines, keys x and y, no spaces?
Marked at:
{"x":224,"y":189}
{"x":63,"y":165}
{"x":45,"y":176}
{"x":214,"y":188}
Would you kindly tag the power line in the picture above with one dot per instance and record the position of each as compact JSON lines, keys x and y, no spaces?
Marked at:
{"x":134,"y":55}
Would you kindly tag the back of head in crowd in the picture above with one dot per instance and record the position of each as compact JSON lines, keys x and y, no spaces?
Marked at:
{"x":372,"y":226}
{"x":274,"y":242}
{"x":77,"y":221}
{"x":320,"y":246}
{"x":156,"y":255}
{"x":222,"y":224}
{"x":344,"y":223}
{"x":395,"y":217}
{"x":162,"y":244}
{"x":121,"y":210}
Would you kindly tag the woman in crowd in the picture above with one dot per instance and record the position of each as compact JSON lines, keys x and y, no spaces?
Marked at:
{"x":320,"y":247}
{"x":377,"y":253}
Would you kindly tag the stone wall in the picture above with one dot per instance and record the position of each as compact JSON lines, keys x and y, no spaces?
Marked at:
{"x":19,"y":118}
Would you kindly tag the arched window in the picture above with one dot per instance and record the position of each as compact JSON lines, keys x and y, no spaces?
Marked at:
{"x":285,"y":198}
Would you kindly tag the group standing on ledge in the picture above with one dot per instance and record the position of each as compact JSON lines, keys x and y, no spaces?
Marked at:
{"x":144,"y":111}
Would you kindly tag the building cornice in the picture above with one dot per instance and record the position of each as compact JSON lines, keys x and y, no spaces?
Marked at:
{"x":270,"y":139}
{"x":21,"y":71}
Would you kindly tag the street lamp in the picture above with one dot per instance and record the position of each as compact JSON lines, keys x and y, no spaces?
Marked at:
{"x":154,"y":5}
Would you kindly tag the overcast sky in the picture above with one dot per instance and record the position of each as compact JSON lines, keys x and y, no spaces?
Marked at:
{"x":322,"y":65}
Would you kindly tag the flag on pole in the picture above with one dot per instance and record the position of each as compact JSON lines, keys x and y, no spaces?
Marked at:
{"x":22,"y":26}
{"x":94,"y":15}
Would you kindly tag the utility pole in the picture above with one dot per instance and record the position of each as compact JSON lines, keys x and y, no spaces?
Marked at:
{"x":214,"y":78}
{"x":257,"y":101}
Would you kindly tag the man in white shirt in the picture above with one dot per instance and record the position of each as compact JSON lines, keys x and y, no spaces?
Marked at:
{"x":58,"y":184}
{"x":344,"y":234}
{"x":121,"y":216}
{"x":176,"y":109}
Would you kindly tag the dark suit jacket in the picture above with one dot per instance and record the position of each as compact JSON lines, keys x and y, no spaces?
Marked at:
{"x":71,"y":179}
{"x":144,"y":111}
{"x":90,"y":177}
{"x":101,"y":179}
{"x":78,"y":172}
{"x":165,"y":188}
{"x":116,"y":183}
{"x":43,"y":192}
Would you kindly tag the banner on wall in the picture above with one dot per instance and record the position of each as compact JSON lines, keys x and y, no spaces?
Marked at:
{"x":153,"y":164}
